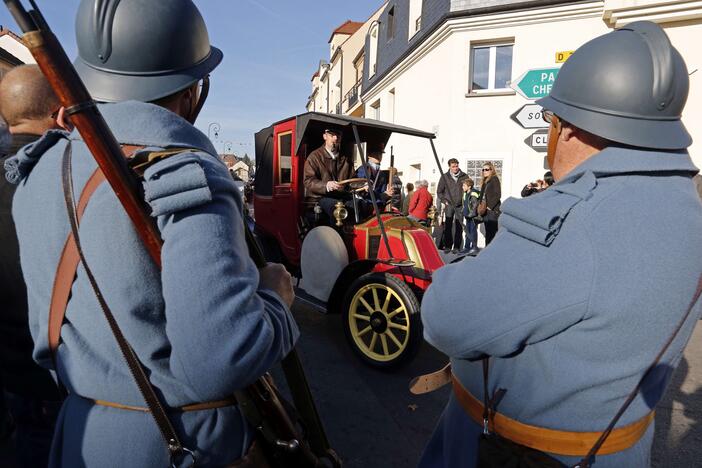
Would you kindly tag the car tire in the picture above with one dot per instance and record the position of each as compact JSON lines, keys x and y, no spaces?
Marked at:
{"x":380,"y":317}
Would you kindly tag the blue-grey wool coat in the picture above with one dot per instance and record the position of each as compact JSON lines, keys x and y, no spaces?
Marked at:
{"x":202,"y":326}
{"x":572,"y":300}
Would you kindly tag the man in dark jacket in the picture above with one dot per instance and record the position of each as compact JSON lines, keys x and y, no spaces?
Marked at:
{"x":450,"y":193}
{"x":324,"y":168}
{"x":30,"y":108}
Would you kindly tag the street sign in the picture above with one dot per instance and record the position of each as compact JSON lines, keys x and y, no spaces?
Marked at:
{"x":538,"y":141}
{"x":535,"y":83}
{"x":563,"y":55}
{"x":529,"y":116}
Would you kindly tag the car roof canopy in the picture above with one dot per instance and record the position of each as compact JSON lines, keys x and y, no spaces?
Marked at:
{"x":311,"y":125}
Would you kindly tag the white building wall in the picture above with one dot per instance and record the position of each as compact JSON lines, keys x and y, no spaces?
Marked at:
{"x":432,"y":83}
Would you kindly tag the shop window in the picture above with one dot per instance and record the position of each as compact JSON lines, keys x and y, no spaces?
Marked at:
{"x":490,"y":67}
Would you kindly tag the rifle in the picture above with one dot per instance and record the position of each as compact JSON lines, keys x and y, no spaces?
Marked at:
{"x":260,"y":402}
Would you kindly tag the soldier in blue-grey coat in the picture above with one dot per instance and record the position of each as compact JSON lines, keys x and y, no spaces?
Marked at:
{"x":570,"y":303}
{"x":209,"y":322}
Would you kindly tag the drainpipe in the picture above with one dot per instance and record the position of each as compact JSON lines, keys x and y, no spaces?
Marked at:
{"x":341,"y":83}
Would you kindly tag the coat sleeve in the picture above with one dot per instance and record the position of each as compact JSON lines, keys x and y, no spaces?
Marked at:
{"x":515,"y":293}
{"x":441,"y":189}
{"x":219,"y":321}
{"x":313,"y":184}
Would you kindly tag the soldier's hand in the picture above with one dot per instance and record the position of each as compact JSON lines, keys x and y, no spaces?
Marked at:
{"x":390,"y":191}
{"x":274,"y":276}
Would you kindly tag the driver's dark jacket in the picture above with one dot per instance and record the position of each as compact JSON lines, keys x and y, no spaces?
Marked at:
{"x":320,"y":168}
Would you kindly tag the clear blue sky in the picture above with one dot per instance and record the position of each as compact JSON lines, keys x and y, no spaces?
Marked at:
{"x":271,"y":49}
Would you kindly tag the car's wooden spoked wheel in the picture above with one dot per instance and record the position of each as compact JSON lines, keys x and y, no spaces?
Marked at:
{"x":379,"y":322}
{"x":381,"y":319}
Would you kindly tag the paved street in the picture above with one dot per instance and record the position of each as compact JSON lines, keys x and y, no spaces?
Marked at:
{"x":373,"y":421}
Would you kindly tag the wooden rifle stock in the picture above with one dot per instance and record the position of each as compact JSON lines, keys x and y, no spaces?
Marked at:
{"x":259,"y":400}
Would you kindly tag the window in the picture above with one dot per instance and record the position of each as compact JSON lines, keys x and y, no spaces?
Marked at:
{"x":474,"y":169}
{"x":415,"y":17}
{"x":373,"y":52}
{"x":490,"y":67}
{"x":375,"y":113}
{"x":391,"y":23}
{"x":285,"y":158}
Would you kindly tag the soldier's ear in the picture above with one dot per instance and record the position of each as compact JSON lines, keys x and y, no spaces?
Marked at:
{"x":568,"y":132}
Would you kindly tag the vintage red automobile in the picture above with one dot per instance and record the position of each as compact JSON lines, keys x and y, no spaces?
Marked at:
{"x":373,"y":271}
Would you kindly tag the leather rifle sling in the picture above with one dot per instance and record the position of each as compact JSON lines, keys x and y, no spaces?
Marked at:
{"x":69,"y":260}
{"x":156,"y":409}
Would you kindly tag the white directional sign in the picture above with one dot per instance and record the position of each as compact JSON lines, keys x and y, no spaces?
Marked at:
{"x":538,"y":141}
{"x":529,"y":116}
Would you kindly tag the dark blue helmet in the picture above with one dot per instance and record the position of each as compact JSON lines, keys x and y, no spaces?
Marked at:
{"x":628,"y":86}
{"x":141,"y":49}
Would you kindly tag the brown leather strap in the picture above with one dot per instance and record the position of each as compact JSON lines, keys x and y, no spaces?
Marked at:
{"x":68,"y":262}
{"x":67,"y":267}
{"x":141,"y":379}
{"x":551,"y":440}
{"x":231,"y":401}
{"x":429,"y":382}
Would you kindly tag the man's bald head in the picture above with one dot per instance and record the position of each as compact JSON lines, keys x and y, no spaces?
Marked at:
{"x":27,"y":101}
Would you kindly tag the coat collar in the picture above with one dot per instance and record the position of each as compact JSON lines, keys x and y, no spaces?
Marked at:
{"x":144,"y":124}
{"x":617,"y":160}
{"x":132,"y":123}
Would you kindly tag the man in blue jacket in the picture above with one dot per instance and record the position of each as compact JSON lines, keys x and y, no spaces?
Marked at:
{"x":205,"y":325}
{"x":571,"y":339}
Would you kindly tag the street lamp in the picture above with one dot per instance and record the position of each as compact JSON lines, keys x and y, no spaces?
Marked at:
{"x":213,"y":126}
{"x":227,"y":145}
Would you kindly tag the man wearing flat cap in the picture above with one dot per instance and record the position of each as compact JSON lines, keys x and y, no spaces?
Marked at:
{"x":324,"y":168}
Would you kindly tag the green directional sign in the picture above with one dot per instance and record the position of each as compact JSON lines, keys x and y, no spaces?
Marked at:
{"x":535,"y":83}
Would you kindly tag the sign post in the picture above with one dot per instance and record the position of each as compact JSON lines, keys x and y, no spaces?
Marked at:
{"x":535,"y":83}
{"x":538,"y":141}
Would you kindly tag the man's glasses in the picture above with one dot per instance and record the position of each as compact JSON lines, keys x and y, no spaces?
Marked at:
{"x":547,"y":115}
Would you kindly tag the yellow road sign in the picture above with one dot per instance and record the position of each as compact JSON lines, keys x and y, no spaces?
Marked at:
{"x":563,"y":55}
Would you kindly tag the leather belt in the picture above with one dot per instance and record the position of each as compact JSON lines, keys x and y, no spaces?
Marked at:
{"x":551,"y":440}
{"x":231,"y":401}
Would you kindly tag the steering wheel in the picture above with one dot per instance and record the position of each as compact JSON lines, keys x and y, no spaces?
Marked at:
{"x":355,"y":184}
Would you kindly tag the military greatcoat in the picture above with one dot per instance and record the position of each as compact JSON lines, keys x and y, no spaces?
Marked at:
{"x":572,"y":302}
{"x":201,"y":326}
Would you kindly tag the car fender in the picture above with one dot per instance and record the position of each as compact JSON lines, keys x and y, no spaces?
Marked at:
{"x":352,"y":271}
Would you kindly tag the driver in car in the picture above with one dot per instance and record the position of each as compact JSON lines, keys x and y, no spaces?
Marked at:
{"x":324,"y":168}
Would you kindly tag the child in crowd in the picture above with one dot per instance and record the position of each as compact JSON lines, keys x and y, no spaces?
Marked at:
{"x":470,"y":213}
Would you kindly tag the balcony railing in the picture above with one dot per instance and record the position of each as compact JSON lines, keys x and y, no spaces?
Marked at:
{"x":352,"y":96}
